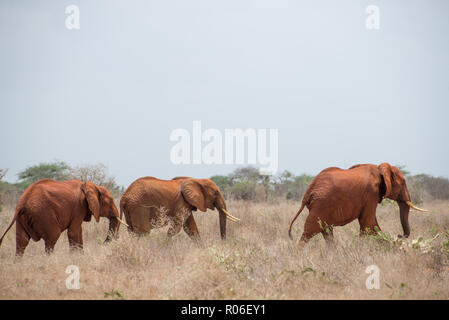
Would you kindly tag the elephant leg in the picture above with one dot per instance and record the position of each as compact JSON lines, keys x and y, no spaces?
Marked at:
{"x":49,"y":246}
{"x":368,"y":222}
{"x":191,"y":229}
{"x":75,"y":235}
{"x":141,"y":234}
{"x":328,"y":234}
{"x":175,"y":227}
{"x":369,"y":229}
{"x":51,"y":241}
{"x":22,"y":239}
{"x":312,"y":226}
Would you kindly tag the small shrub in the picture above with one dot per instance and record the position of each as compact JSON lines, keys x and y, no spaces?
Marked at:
{"x":114,"y":294}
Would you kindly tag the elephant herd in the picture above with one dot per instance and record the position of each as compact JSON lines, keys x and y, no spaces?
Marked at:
{"x":335,"y":197}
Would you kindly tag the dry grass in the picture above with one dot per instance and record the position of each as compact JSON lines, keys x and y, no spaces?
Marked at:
{"x":258,"y":261}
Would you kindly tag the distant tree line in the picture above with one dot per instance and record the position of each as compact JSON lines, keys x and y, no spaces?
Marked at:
{"x":242,"y":184}
{"x":96,"y":173}
{"x":247,"y":184}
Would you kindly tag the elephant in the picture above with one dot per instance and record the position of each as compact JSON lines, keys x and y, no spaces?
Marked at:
{"x":150,"y":203}
{"x":337,"y":196}
{"x":48,"y":207}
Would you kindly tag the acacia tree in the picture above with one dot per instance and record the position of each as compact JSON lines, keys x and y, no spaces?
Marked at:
{"x":248,"y":184}
{"x":98,"y":174}
{"x":56,"y":171}
{"x":2,"y":173}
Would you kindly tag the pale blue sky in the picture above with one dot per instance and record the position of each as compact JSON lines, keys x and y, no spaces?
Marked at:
{"x":113,"y":91}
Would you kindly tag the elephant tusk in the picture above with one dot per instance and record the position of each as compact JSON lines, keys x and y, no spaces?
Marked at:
{"x":122,"y":222}
{"x":230,"y":217}
{"x":411,"y":205}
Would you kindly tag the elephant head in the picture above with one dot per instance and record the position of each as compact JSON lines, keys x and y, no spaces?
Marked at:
{"x":394,"y":187}
{"x":101,"y":204}
{"x":203,"y":194}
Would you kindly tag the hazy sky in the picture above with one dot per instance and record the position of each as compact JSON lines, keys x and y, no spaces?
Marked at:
{"x":113,"y":91}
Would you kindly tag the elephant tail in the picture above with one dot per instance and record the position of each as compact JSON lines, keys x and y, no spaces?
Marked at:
{"x":122,"y":207}
{"x":18,"y":211}
{"x":127,"y":219}
{"x":291,"y":224}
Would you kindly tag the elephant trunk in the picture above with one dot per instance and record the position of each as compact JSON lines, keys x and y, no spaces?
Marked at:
{"x":114,"y":224}
{"x":222,"y":217}
{"x":220,"y":204}
{"x":112,"y":230}
{"x":404,"y":211}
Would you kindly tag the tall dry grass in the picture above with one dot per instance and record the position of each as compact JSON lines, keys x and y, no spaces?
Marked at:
{"x":258,"y":261}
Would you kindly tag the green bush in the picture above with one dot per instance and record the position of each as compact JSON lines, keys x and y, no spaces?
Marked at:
{"x":242,"y":190}
{"x":248,"y":184}
{"x":55,"y":171}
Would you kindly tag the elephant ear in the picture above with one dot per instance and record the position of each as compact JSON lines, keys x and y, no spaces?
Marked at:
{"x":92,"y":194}
{"x":386,"y":173}
{"x":192,"y":192}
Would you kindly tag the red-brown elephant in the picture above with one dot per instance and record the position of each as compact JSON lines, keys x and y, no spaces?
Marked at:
{"x":49,"y":207}
{"x":337,"y":196}
{"x":150,"y":203}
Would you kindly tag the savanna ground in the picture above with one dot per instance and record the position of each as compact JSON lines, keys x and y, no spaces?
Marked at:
{"x":257,"y":261}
